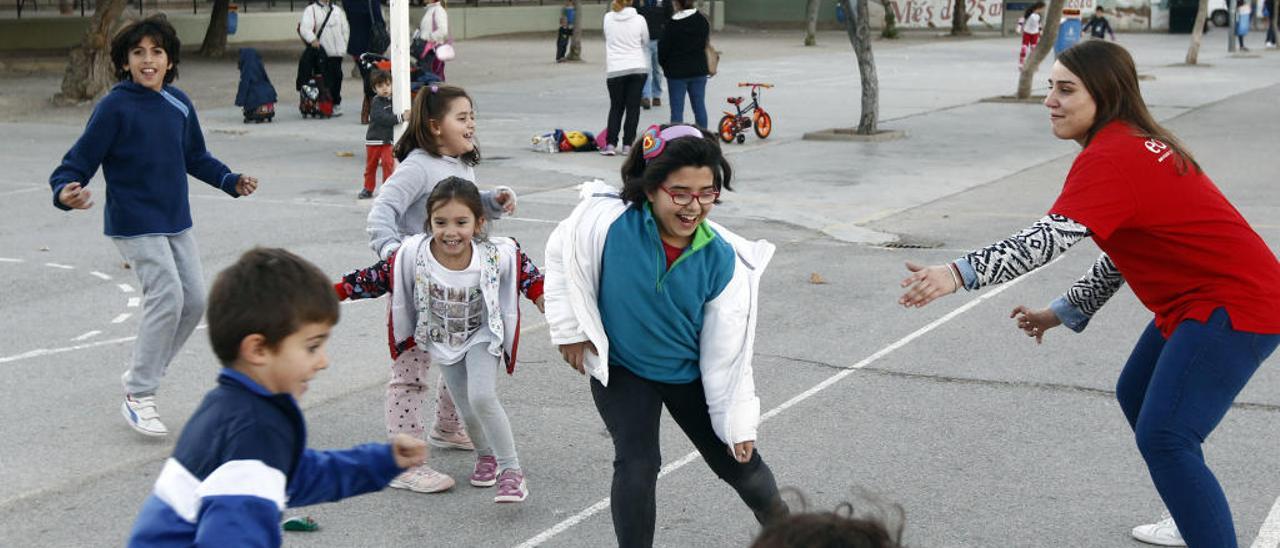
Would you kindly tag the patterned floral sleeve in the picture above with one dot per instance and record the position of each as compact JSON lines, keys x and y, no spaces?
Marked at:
{"x":530,"y":278}
{"x":366,"y":283}
{"x":1078,"y":305}
{"x":1021,"y":253}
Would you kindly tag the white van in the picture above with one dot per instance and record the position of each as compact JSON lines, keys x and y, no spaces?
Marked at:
{"x":1218,"y":13}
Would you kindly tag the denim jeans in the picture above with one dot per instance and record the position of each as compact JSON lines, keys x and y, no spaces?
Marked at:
{"x":631,"y":407}
{"x":653,"y":86}
{"x":696,"y":87}
{"x":1174,"y":393}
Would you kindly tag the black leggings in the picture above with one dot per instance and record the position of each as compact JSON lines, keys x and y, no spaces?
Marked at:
{"x":624,"y":94}
{"x":333,"y":78}
{"x":631,"y":407}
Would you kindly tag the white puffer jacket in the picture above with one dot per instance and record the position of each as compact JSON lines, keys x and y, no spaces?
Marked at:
{"x":574,"y":253}
{"x":626,"y":39}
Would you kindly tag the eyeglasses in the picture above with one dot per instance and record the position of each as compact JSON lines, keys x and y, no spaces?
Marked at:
{"x":683,"y":198}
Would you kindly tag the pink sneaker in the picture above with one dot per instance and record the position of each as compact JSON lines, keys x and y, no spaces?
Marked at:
{"x":511,"y":486}
{"x":422,"y":479}
{"x":486,"y":473}
{"x":450,"y":440}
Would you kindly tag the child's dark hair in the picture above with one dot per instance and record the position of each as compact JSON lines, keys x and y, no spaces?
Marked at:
{"x":462,"y":190}
{"x":269,"y":292}
{"x":430,"y":104}
{"x":641,"y":177}
{"x":1026,"y":14}
{"x":158,"y":28}
{"x":379,"y":77}
{"x":878,"y":525}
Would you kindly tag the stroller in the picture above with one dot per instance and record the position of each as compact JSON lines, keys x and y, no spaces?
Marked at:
{"x":314,"y":98}
{"x":255,"y":95}
{"x":419,"y":75}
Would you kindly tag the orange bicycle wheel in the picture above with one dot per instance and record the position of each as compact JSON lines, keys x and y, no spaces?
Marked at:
{"x":764,"y":124}
{"x":728,"y":129}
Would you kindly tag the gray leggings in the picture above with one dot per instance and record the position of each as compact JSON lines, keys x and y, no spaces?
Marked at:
{"x":473,"y":382}
{"x":168,"y":267}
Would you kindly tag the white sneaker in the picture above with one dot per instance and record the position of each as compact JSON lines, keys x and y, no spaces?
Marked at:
{"x":1161,"y":533}
{"x":142,"y":415}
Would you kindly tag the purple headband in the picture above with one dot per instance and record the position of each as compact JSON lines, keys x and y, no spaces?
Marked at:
{"x":654,"y":140}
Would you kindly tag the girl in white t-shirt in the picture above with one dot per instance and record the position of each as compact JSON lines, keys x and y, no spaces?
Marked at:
{"x":454,"y":293}
{"x":1030,"y":26}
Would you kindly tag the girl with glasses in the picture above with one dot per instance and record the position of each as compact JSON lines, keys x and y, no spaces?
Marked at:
{"x":658,"y":305}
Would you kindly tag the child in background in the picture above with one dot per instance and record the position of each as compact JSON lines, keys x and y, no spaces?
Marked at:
{"x":1029,"y":25}
{"x":454,"y":294}
{"x":439,"y":143}
{"x":658,"y":304}
{"x":566,"y":30}
{"x":1098,"y":26}
{"x":377,"y":139}
{"x":145,"y":136}
{"x":242,"y":457}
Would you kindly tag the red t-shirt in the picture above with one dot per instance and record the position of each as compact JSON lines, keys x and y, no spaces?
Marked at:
{"x":672,"y":252}
{"x":1181,"y":246}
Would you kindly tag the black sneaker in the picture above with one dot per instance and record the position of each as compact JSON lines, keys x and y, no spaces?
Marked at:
{"x":364,"y":195}
{"x":644,"y":103}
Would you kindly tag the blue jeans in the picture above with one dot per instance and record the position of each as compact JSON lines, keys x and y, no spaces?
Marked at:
{"x":696,"y":87}
{"x":1174,"y":393}
{"x":653,"y":86}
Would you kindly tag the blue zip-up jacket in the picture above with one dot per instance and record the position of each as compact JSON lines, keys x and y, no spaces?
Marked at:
{"x":146,"y":142}
{"x":240,"y":460}
{"x":652,"y":314}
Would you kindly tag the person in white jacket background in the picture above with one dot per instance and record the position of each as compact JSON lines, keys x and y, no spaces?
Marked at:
{"x":333,"y":40}
{"x":626,"y":65}
{"x":658,"y":305}
{"x":434,"y":28}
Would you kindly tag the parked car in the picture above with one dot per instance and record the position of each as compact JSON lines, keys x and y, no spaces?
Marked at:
{"x":1218,"y":13}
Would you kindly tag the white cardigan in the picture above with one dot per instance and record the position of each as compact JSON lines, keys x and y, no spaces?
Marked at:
{"x":336,"y":32}
{"x":574,"y":253}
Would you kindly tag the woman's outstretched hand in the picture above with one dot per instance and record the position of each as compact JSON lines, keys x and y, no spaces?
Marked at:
{"x":1035,"y":322}
{"x":927,"y":283}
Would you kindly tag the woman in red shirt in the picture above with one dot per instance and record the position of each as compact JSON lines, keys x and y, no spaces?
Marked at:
{"x":1186,"y":252}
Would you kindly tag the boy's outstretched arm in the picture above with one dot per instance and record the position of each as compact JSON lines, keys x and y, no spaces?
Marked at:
{"x":83,"y":160}
{"x":327,"y":476}
{"x":202,"y":165}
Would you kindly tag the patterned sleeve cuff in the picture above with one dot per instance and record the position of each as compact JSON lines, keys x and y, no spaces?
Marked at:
{"x":1070,"y":316}
{"x":967,"y":274}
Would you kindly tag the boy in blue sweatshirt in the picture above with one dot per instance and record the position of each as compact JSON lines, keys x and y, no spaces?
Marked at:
{"x":242,"y":457}
{"x":145,"y":136}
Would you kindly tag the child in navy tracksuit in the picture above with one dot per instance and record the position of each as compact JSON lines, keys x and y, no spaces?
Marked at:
{"x":242,"y":457}
{"x":145,"y":136}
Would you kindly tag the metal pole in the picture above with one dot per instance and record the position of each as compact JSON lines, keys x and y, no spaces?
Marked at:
{"x":1231,"y":27}
{"x":400,"y":99}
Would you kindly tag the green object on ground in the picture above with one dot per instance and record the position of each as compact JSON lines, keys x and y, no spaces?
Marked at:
{"x":304,"y":524}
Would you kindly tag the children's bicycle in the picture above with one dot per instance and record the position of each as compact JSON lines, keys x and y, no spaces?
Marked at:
{"x":734,"y":125}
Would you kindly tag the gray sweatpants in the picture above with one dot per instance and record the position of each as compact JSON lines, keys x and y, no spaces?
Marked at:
{"x":473,"y":381}
{"x":168,"y":267}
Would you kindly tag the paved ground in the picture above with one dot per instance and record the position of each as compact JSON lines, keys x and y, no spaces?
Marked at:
{"x":985,"y":439}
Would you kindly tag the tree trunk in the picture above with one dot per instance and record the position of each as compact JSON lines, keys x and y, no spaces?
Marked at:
{"x":811,"y":32}
{"x":575,"y":41}
{"x":215,"y":38}
{"x":859,"y":30}
{"x":1048,"y":35}
{"x":959,"y":19}
{"x":1197,"y":32}
{"x":89,"y":72}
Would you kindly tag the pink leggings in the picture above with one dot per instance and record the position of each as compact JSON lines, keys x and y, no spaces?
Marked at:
{"x":408,"y":390}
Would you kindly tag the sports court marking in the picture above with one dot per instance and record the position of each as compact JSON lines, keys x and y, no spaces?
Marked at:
{"x":1269,"y":534}
{"x":600,"y":506}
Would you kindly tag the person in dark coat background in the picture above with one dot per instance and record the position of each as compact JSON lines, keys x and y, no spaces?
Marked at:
{"x":363,"y":15}
{"x":255,"y":87}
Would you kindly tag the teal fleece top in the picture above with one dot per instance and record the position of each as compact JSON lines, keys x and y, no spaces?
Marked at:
{"x":652,"y":314}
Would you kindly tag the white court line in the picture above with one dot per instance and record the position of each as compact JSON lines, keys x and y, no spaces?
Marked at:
{"x":97,"y":274}
{"x":88,"y":335}
{"x":121,"y":318}
{"x":62,"y":266}
{"x":8,"y":260}
{"x":1269,"y":534}
{"x":22,"y":191}
{"x":134,"y":302}
{"x":598,"y":507}
{"x":530,"y":220}
{"x":125,"y":288}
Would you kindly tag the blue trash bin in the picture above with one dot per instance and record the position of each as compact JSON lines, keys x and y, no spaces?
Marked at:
{"x":233,"y":20}
{"x":1068,"y":35}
